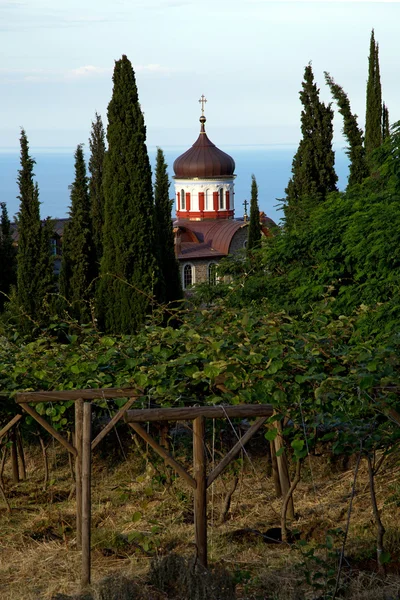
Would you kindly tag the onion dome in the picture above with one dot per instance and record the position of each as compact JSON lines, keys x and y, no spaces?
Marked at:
{"x":203,"y":159}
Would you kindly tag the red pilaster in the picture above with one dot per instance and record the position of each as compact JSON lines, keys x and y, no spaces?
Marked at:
{"x":188,"y":202}
{"x":179,"y":201}
{"x":201,"y":201}
{"x":227,"y":201}
{"x":215,"y":199}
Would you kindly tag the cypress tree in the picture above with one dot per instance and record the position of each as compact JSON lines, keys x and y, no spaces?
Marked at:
{"x":169,"y":279}
{"x":96,"y":164}
{"x":78,"y":266}
{"x":385,"y":122}
{"x":128,"y":265}
{"x":313,"y":172}
{"x":373,"y":115}
{"x":254,"y":233}
{"x":31,"y":263}
{"x":8,"y":265}
{"x":354,"y":135}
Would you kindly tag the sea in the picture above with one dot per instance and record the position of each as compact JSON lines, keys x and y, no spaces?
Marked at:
{"x":54,"y":172}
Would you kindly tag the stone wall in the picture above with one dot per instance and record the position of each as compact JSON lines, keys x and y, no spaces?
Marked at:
{"x":239,"y":240}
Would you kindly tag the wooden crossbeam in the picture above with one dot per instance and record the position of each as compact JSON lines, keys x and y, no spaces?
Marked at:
{"x":10,"y":425}
{"x":31,"y":411}
{"x":163,"y":453}
{"x":235,"y":450}
{"x":63,"y":396}
{"x":187,"y":414}
{"x":113,"y":422}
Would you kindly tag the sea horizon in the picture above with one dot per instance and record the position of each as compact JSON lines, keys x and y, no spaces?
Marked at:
{"x":54,"y":171}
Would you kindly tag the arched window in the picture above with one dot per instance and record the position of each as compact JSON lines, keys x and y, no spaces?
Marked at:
{"x":221,"y":199}
{"x":207,"y":200}
{"x":212,"y":273}
{"x":188,"y":276}
{"x":183,"y":200}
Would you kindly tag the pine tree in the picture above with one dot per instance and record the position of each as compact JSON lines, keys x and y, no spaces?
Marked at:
{"x":385,"y":122}
{"x":313,"y":172}
{"x":254,"y":234}
{"x":96,"y":194}
{"x":128,"y":265}
{"x":354,"y":135}
{"x":78,"y":264}
{"x":373,"y":115}
{"x":169,"y":279}
{"x":8,"y":263}
{"x":34,"y":265}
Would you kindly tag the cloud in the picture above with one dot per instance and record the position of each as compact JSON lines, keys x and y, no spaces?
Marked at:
{"x":87,"y":71}
{"x":325,"y":1}
{"x":9,"y":75}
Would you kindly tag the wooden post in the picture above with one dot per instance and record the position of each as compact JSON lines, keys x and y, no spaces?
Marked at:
{"x":200,"y":493}
{"x":78,"y":469}
{"x":86,"y":495}
{"x":21,"y":452}
{"x":283,"y":469}
{"x":14,"y":456}
{"x":275,"y":472}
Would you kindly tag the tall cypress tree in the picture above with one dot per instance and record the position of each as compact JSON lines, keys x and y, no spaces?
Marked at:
{"x":373,"y":114}
{"x":128,"y":266}
{"x":354,"y":135}
{"x":78,"y":264}
{"x":385,"y":122}
{"x":96,"y":194}
{"x":313,"y":172}
{"x":30,"y":263}
{"x":8,"y":263}
{"x":254,"y":233}
{"x":170,"y":283}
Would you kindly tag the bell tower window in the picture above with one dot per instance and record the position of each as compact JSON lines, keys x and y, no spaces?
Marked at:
{"x":183,"y":200}
{"x":221,"y":199}
{"x":207,"y":200}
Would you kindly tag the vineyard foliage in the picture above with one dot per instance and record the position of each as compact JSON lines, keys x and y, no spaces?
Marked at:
{"x":314,"y":370}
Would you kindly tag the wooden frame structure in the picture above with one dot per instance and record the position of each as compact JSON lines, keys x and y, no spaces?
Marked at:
{"x":199,"y":481}
{"x":83,"y":446}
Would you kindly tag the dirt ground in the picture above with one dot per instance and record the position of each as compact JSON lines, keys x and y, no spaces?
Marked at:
{"x":137,"y":514}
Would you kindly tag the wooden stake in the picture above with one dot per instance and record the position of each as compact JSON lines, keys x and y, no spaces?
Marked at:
{"x":31,"y":411}
{"x":78,"y":469}
{"x":14,"y":456}
{"x":200,"y":493}
{"x":113,"y":422}
{"x":235,"y":450}
{"x":21,"y":453}
{"x":9,"y":425}
{"x":163,"y":453}
{"x":283,"y":472}
{"x":275,"y":472}
{"x":86,"y":495}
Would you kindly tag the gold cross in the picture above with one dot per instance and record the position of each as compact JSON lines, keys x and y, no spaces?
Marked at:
{"x":202,"y":101}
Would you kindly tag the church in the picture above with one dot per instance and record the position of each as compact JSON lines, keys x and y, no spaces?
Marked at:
{"x":205,"y":228}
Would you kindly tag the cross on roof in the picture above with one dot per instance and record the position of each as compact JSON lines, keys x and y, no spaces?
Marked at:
{"x":202,"y":101}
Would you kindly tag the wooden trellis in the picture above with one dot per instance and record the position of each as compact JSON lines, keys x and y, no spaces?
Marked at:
{"x":82,"y":447}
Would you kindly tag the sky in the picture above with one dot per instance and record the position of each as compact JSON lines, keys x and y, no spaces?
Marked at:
{"x":246,"y":56}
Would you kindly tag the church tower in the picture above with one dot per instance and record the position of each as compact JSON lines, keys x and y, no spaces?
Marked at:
{"x":204,"y":180}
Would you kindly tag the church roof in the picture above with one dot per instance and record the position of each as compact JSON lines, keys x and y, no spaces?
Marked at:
{"x":204,"y":159}
{"x":201,"y":239}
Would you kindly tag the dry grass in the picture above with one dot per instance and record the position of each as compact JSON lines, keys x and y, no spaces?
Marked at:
{"x":38,"y":556}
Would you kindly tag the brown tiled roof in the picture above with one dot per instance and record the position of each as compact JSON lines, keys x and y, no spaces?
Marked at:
{"x":190,"y":250}
{"x":217,"y":235}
